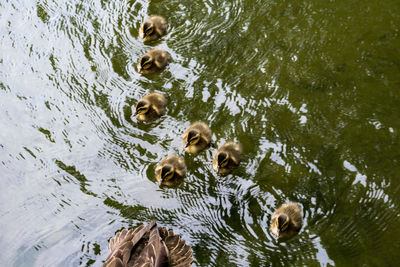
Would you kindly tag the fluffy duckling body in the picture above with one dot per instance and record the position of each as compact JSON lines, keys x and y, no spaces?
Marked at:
{"x":170,"y":171}
{"x":154,"y":60}
{"x":287,"y":220}
{"x":148,"y":245}
{"x":196,"y":138}
{"x":150,"y":107}
{"x":227,"y":158}
{"x":153,"y":28}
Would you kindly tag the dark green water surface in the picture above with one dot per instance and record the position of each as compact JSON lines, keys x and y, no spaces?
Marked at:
{"x":311,"y":89}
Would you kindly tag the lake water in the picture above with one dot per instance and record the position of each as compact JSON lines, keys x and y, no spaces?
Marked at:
{"x":309,"y":88}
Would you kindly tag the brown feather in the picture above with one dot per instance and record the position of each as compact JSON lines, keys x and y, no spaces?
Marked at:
{"x":148,"y":246}
{"x":161,"y":58}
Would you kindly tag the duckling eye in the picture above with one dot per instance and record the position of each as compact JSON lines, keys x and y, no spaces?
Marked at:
{"x":147,"y":64}
{"x":149,"y":30}
{"x":224,"y":162}
{"x":284,"y":227}
{"x":168,"y":175}
{"x":142,"y":110}
{"x":194,"y":139}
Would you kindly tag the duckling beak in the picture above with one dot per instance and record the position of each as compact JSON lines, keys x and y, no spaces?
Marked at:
{"x":143,"y":35}
{"x":187,"y":144}
{"x":278,"y":232}
{"x":218,"y":168}
{"x":161,"y":183}
{"x":140,"y":69}
{"x":135,"y":113}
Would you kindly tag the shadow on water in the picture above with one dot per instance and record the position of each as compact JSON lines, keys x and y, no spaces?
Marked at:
{"x":77,"y":175}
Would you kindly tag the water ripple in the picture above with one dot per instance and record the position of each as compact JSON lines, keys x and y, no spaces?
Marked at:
{"x":294,"y":83}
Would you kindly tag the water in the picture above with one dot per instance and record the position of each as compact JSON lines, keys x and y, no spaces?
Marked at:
{"x":309,"y":88}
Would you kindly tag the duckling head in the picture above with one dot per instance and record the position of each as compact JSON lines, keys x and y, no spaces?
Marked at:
{"x":148,"y":29}
{"x":192,"y":138}
{"x":146,"y":62}
{"x":282,"y":223}
{"x":167,"y":172}
{"x":142,"y":107}
{"x":222,"y":159}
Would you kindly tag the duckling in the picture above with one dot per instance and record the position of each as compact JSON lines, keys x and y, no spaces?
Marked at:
{"x":153,"y":28}
{"x":170,"y":171}
{"x":227,"y":157}
{"x":150,"y":107}
{"x":196,"y":138}
{"x":148,"y":245}
{"x":287,"y":220}
{"x":154,"y":60}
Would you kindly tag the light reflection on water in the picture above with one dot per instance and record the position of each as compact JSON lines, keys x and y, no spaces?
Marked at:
{"x":309,"y":93}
